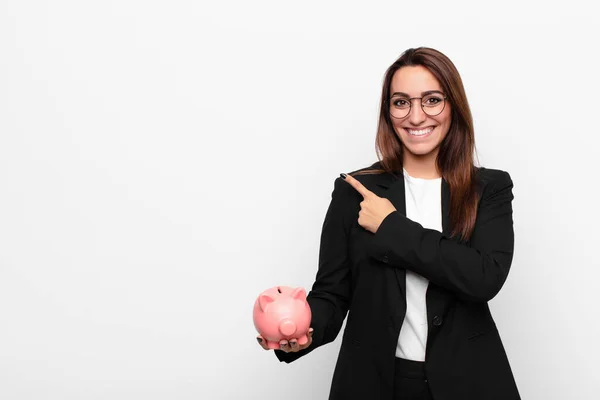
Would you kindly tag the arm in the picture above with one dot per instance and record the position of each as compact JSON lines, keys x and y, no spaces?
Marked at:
{"x":330,"y":295}
{"x":474,"y":272}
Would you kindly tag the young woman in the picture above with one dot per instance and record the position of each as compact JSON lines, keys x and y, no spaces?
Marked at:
{"x":412,"y":249}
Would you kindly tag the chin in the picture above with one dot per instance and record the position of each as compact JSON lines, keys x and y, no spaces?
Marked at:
{"x":419,"y":152}
{"x":421,"y":149}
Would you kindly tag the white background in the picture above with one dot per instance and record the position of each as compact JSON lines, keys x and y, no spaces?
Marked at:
{"x":162,"y":163}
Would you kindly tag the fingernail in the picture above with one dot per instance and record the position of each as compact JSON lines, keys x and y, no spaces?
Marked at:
{"x":292,"y":343}
{"x":343,"y":175}
{"x":310,"y":330}
{"x":259,"y":340}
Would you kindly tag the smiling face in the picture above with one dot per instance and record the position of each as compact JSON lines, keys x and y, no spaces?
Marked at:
{"x":413,"y":81}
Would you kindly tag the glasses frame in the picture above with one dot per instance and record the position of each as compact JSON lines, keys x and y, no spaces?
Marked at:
{"x":410,"y":99}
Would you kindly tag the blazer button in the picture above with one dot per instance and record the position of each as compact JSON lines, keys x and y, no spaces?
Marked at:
{"x":437,"y":320}
{"x":385,"y":259}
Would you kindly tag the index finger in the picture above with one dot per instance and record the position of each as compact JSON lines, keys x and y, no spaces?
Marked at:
{"x":357,"y":185}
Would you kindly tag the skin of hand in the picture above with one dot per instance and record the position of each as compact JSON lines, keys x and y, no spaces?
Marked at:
{"x":290,"y":347}
{"x":373,"y":209}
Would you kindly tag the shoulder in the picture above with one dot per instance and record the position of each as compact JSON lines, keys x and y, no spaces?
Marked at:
{"x":491,"y":175}
{"x":362,"y":175}
{"x":493,"y":180}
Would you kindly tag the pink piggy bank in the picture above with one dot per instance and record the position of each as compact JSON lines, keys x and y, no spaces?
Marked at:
{"x":282,"y":312}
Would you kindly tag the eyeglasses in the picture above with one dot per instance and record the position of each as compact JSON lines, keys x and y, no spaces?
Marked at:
{"x":432,"y":105}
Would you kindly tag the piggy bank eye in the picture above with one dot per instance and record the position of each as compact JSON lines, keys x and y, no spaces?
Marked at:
{"x":279,"y":290}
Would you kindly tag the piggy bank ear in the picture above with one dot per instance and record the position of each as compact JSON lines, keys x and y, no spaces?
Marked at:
{"x":299,"y":294}
{"x":263,"y":300}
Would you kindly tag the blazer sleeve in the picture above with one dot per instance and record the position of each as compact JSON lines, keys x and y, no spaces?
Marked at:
{"x":475,"y":271}
{"x":330,"y":295}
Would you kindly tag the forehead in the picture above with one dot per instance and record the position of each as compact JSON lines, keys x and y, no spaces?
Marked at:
{"x":413,"y":80}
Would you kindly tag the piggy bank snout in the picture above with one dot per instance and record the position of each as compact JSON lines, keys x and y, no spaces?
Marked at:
{"x":282,"y":312}
{"x":287,"y":327}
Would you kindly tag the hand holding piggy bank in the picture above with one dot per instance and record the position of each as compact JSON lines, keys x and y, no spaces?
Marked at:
{"x":282,"y":314}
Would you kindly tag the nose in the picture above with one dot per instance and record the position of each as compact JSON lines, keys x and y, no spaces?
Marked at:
{"x":417,"y":115}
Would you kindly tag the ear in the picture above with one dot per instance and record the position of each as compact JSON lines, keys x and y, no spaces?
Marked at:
{"x":299,"y":294}
{"x":264,"y":300}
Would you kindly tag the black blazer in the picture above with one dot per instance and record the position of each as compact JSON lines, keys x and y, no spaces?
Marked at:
{"x":363,"y":275}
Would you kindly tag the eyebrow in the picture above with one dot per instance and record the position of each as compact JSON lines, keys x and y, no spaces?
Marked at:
{"x":422,"y":93}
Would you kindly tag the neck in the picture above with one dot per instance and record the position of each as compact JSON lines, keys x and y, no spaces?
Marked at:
{"x":421,"y":166}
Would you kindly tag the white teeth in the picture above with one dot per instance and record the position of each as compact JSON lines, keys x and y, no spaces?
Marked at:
{"x":419,"y":133}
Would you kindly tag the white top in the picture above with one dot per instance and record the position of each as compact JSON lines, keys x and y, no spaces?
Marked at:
{"x":423,"y":205}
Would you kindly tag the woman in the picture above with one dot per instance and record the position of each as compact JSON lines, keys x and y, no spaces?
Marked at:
{"x":412,"y":249}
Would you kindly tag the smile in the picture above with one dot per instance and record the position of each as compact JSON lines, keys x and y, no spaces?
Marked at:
{"x":421,"y":132}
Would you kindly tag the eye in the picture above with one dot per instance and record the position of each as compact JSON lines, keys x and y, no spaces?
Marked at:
{"x":432,"y":100}
{"x":399,"y":102}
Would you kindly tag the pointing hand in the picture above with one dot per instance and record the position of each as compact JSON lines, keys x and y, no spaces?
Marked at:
{"x":373,"y":209}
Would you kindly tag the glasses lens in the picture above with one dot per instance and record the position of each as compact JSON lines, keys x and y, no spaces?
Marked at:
{"x":433,"y":104}
{"x":399,"y":107}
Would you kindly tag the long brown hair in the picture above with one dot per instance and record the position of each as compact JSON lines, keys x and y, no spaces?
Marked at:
{"x":455,"y":156}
